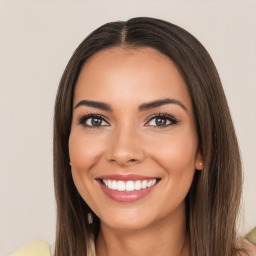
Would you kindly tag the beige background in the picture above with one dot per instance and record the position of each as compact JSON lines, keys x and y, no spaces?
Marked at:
{"x":37,"y":39}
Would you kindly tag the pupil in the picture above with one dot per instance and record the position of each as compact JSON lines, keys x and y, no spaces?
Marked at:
{"x":160,"y":121}
{"x":96,"y":121}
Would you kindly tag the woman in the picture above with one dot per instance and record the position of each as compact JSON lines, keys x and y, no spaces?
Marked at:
{"x":142,"y":100}
{"x":146,"y":160}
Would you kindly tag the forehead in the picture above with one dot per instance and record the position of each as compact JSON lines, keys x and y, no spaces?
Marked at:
{"x":141,"y":74}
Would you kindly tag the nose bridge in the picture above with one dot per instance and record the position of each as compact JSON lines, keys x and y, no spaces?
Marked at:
{"x":125,"y":147}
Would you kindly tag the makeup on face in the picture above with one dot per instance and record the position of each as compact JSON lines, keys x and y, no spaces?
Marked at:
{"x":133,"y":142}
{"x":96,"y":121}
{"x":127,"y":188}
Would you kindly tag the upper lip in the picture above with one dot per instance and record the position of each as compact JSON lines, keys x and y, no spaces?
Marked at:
{"x":126,"y":177}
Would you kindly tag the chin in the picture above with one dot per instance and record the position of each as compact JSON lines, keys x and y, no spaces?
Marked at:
{"x":127,"y":224}
{"x":129,"y":219}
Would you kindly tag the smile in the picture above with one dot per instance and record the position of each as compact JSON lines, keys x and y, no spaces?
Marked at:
{"x":130,"y":185}
{"x":127,"y":188}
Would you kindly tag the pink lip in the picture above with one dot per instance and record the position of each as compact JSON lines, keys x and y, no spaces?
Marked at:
{"x":122,"y":196}
{"x":125,"y":177}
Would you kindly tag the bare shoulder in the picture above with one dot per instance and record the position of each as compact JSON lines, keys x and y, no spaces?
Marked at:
{"x":249,"y":247}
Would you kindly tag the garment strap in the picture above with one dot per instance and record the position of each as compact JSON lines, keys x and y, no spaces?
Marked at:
{"x":34,"y":248}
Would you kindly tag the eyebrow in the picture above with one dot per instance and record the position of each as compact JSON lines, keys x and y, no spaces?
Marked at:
{"x":158,"y":103}
{"x":142,"y":107}
{"x":94,"y":104}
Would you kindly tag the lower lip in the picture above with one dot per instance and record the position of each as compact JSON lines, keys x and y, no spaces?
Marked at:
{"x":121,"y":196}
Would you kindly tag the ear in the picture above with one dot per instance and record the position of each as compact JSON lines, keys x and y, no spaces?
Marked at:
{"x":199,"y":160}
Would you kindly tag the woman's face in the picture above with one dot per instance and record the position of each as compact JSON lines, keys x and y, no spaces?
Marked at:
{"x":133,"y":143}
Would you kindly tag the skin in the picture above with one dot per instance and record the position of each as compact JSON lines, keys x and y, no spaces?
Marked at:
{"x":129,"y":141}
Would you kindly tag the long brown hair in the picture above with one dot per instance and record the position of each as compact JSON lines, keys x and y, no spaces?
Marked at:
{"x":213,"y":201}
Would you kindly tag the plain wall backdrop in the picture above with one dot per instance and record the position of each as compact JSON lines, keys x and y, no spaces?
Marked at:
{"x":37,"y":39}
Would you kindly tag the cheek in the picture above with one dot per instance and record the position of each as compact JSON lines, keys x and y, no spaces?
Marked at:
{"x":176,"y":155}
{"x":176,"y":151}
{"x":178,"y":163}
{"x":84,"y":152}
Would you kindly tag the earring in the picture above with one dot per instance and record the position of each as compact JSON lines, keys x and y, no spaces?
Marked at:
{"x":70,"y":163}
{"x":201,"y":164}
{"x":90,"y":218}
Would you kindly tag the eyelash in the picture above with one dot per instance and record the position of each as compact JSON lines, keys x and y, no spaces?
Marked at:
{"x":83,"y":119}
{"x":163,"y":116}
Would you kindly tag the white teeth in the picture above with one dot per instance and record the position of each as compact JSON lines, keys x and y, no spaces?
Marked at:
{"x":144,"y":184}
{"x":120,"y":185}
{"x":114,"y":185}
{"x":149,"y":184}
{"x":138,"y":185}
{"x":128,"y":185}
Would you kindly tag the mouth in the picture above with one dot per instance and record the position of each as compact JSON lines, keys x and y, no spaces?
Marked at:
{"x":130,"y":185}
{"x":127,"y":188}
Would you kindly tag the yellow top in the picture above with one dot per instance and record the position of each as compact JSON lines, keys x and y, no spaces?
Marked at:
{"x":34,"y":248}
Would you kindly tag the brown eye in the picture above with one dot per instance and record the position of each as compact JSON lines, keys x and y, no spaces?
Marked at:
{"x":162,"y":120}
{"x":159,"y":121}
{"x":93,"y":121}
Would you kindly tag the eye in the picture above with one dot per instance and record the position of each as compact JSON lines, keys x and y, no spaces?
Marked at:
{"x":161,"y":120}
{"x":93,"y":121}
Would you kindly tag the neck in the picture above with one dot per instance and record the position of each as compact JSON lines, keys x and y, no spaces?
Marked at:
{"x":163,"y":238}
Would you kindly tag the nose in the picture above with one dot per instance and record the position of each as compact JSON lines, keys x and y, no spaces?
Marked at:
{"x":125,"y":148}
